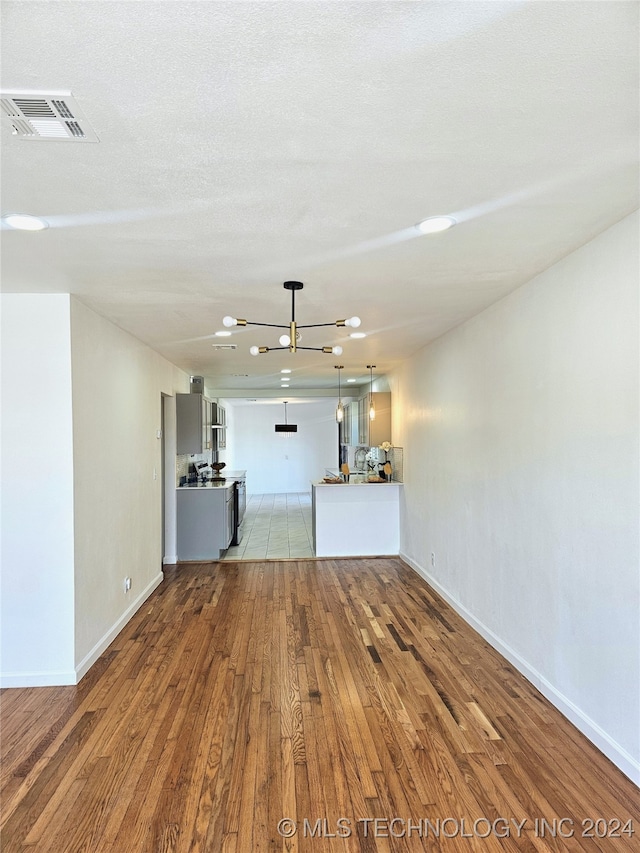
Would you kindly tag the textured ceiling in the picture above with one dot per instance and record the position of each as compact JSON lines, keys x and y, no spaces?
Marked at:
{"x":244,"y":144}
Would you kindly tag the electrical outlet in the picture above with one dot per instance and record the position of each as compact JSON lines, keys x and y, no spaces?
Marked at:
{"x":433,"y":559}
{"x":127,"y":584}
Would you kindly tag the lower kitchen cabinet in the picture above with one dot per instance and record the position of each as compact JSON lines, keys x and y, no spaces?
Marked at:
{"x":355,"y":519}
{"x":204,"y":521}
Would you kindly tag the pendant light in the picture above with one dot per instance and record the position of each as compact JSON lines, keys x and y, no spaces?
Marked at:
{"x":372,"y":408}
{"x":340,"y":409}
{"x":286,"y":428}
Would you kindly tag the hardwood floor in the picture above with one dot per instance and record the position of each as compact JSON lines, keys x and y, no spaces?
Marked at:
{"x":330,"y":692}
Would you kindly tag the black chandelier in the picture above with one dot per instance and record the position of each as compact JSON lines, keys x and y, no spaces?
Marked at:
{"x":290,"y":341}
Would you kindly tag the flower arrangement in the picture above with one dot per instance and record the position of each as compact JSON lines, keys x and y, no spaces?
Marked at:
{"x":386,"y":446}
{"x":373,"y":457}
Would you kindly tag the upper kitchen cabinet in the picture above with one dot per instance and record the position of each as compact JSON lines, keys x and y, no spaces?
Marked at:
{"x":219,"y":423}
{"x":193,"y":424}
{"x":373,"y":432}
{"x":359,"y":430}
{"x":349,"y":424}
{"x":363,"y":420}
{"x":353,"y":434}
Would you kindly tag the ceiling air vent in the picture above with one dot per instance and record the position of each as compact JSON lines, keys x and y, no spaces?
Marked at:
{"x":45,"y":115}
{"x":225,"y":346}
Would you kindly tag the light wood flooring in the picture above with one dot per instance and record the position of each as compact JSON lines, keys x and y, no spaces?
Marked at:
{"x":334,"y":693}
{"x":275,"y":527}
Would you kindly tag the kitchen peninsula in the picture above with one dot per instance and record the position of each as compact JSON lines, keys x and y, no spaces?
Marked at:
{"x":356,"y":519}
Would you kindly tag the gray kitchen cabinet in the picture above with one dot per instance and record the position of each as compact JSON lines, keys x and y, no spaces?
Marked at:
{"x":363,"y":420}
{"x":353,"y":423}
{"x":380,"y":428}
{"x":372,"y":433}
{"x":229,"y":518}
{"x":193,"y":424}
{"x":219,"y":420}
{"x":204,"y":522}
{"x":345,"y":428}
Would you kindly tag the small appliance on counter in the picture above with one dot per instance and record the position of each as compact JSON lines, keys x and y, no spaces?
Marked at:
{"x":202,"y":469}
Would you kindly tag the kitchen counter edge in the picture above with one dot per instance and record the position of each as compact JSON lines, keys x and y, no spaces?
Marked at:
{"x":384,"y":483}
{"x":230,"y":478}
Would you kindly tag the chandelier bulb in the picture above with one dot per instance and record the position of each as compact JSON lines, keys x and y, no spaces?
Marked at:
{"x":337,"y":350}
{"x":229,"y":321}
{"x":354,"y":322}
{"x":254,"y":350}
{"x":285,"y":341}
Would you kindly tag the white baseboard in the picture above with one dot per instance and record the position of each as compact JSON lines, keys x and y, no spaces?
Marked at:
{"x":38,"y":679}
{"x":102,"y":644}
{"x":64,"y":678}
{"x":590,"y":729}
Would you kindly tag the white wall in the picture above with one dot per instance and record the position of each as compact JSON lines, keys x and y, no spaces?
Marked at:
{"x":37,"y":574}
{"x":118,"y":384}
{"x":520,"y":431}
{"x":81,"y":508}
{"x":277,"y":462}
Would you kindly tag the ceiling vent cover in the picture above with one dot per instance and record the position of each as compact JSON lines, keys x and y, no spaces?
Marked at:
{"x":45,"y":116}
{"x":225,"y":346}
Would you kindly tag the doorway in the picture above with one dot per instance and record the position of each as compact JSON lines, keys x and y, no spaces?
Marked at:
{"x":168,"y":479}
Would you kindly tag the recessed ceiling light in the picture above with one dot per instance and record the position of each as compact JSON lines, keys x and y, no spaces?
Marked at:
{"x":358,"y":335}
{"x":286,"y":370}
{"x":436,"y":223}
{"x":223,"y":334}
{"x":352,"y":380}
{"x":24,"y":222}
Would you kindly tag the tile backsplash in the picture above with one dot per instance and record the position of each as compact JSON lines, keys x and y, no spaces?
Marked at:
{"x":183,"y":461}
{"x":355,"y":458}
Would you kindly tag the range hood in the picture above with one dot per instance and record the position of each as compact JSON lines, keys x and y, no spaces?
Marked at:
{"x":196,"y":384}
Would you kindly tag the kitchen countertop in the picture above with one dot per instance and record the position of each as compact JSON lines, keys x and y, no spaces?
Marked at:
{"x":361,"y":483}
{"x":230,"y":478}
{"x":356,"y":519}
{"x":356,"y":478}
{"x":227,"y":484}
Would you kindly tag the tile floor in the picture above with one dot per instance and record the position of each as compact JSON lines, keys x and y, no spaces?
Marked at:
{"x":275,"y":527}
